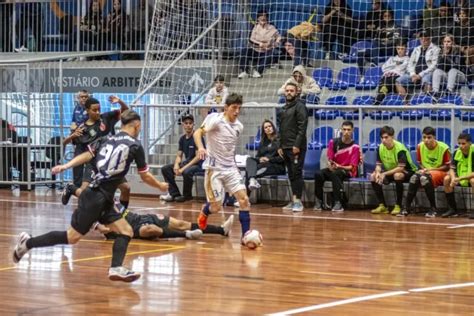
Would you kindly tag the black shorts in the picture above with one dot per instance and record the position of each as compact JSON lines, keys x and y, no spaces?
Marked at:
{"x":89,"y":173}
{"x":390,"y":179}
{"x":159,"y":220}
{"x":93,"y":206}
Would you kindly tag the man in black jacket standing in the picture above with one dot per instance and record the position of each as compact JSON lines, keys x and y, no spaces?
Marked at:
{"x":293,"y":122}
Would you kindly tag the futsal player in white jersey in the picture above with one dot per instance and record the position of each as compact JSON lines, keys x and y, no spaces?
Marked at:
{"x":222,"y":131}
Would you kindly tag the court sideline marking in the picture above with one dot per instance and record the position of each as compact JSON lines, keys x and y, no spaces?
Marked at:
{"x":170,"y":207}
{"x":370,"y":297}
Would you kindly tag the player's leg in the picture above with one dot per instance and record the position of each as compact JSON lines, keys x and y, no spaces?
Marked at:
{"x":180,"y":225}
{"x":413,"y":186}
{"x":124,"y":188}
{"x":117,"y":271}
{"x":399,"y":179}
{"x":72,"y":189}
{"x":378,"y":190}
{"x":429,"y":182}
{"x":233,"y":183}
{"x":214,"y":189}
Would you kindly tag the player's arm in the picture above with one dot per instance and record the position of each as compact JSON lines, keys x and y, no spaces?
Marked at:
{"x":198,"y":135}
{"x":115,"y":99}
{"x":77,"y":133}
{"x":178,"y":159}
{"x":76,"y":161}
{"x":149,"y":179}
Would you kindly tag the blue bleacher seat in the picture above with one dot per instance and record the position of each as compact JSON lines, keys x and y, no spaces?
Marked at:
{"x":370,"y":161}
{"x":282,"y":99}
{"x":440,"y":115}
{"x":355,"y":48}
{"x":410,"y":137}
{"x":355,"y":135}
{"x":312,"y":162}
{"x":364,"y":100}
{"x":346,"y":78}
{"x":412,"y":44}
{"x":255,"y":143}
{"x":322,"y":114}
{"x":323,"y":76}
{"x":413,"y":115}
{"x":390,"y":100}
{"x":321,"y":137}
{"x":354,"y":114}
{"x":371,"y":79}
{"x":393,"y":99}
{"x":470,"y":131}
{"x":374,"y":140}
{"x":312,"y":99}
{"x":451,"y":99}
{"x":443,"y":134}
{"x":420,"y":99}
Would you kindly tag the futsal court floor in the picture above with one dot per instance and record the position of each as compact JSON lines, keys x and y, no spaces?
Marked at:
{"x":313,"y":263}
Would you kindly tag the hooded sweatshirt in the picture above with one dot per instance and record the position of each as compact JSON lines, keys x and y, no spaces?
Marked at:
{"x":307,"y":86}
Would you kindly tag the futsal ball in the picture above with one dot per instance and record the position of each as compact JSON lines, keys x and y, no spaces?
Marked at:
{"x":252,"y":239}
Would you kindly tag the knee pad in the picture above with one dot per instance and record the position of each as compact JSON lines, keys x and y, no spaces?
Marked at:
{"x":424,"y":180}
{"x":414,"y":179}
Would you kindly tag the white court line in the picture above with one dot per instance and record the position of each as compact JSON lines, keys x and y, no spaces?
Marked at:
{"x":337,"y":303}
{"x":460,"y":226}
{"x":330,"y":218}
{"x":370,"y":297}
{"x":442,"y":287}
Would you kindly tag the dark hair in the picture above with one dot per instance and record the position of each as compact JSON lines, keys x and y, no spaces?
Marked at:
{"x":83,"y":91}
{"x":428,"y":130}
{"x":387,"y":130}
{"x":348,"y":123}
{"x":262,"y":133}
{"x":234,"y":98}
{"x":292,"y":84}
{"x":262,"y":13}
{"x":129,"y":116}
{"x":187,"y":116}
{"x":90,"y":102}
{"x":219,"y":78}
{"x":465,"y":136}
{"x":400,"y":42}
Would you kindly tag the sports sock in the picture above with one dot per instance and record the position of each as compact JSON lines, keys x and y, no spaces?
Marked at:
{"x":169,"y":233}
{"x":119,"y":250}
{"x":451,"y":200}
{"x":378,"y":192}
{"x":124,"y":203}
{"x":412,"y":189}
{"x":48,"y":239}
{"x":206,"y":209}
{"x":399,"y":190}
{"x":430,"y":193}
{"x":244,"y":218}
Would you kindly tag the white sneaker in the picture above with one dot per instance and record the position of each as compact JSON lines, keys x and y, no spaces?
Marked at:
{"x":318,"y":205}
{"x":193,"y":234}
{"x":256,"y":74}
{"x":243,"y":75}
{"x":288,"y":206}
{"x":20,"y":248}
{"x":253,"y":184}
{"x":227,"y":226}
{"x":337,"y":207}
{"x":22,"y":49}
{"x":297,"y":207}
{"x":123,"y":274}
{"x":236,"y":204}
{"x":167,"y":198}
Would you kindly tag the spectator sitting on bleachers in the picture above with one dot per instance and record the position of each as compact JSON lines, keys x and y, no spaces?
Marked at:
{"x":367,"y":28}
{"x":267,"y":161}
{"x":30,"y":19}
{"x":421,"y":65}
{"x":216,"y":95}
{"x":463,"y":33}
{"x":434,"y":158}
{"x":337,"y":26}
{"x":441,"y":25}
{"x":387,"y":34}
{"x":461,"y":173}
{"x":459,"y":5}
{"x":92,"y":26}
{"x":449,"y":68}
{"x":343,"y":158}
{"x":115,"y":27}
{"x":306,"y":84}
{"x":393,"y":68}
{"x":429,"y":13}
{"x":139,"y":20}
{"x":297,"y":41}
{"x":394,"y":164}
{"x":264,"y":40}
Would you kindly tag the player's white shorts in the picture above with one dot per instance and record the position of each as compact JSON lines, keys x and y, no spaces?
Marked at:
{"x":217,"y":182}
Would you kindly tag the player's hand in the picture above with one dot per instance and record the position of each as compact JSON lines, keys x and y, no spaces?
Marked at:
{"x":380,"y":178}
{"x":114,"y":99}
{"x":296,"y":150}
{"x":179,"y":172}
{"x":415,"y":78}
{"x":163,"y":186}
{"x":280,"y":152}
{"x":58,"y":169}
{"x":264,"y":159}
{"x":202,"y":153}
{"x":78,"y":132}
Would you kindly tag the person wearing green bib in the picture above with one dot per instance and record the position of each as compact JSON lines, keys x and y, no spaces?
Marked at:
{"x":460,"y":173}
{"x":394,"y":164}
{"x":434,"y":159}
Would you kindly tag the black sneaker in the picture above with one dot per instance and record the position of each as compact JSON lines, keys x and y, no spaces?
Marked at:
{"x":181,"y":198}
{"x":431,"y":214}
{"x":450,"y":213}
{"x":67,"y":193}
